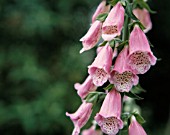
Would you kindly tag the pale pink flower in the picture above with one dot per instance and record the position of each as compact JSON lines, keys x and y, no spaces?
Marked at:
{"x":144,"y":16}
{"x":92,"y":131}
{"x":99,"y":70}
{"x":102,"y":8}
{"x":135,"y":128}
{"x":80,"y":117}
{"x":140,"y":55}
{"x":109,"y":116}
{"x":86,"y":87}
{"x":122,"y":76}
{"x":92,"y":36}
{"x":114,"y":22}
{"x":115,"y":51}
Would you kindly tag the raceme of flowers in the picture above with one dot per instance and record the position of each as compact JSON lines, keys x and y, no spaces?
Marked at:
{"x":114,"y":66}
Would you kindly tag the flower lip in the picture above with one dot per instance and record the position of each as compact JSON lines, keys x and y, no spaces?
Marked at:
{"x":123,"y":82}
{"x":140,"y":62}
{"x":110,"y":125}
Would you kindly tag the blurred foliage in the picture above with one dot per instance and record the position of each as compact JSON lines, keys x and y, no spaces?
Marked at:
{"x":40,"y":62}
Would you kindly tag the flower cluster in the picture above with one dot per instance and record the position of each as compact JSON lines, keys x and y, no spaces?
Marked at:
{"x":135,"y":57}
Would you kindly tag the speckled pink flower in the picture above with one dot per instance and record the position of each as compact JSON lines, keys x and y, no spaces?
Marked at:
{"x":102,"y":8}
{"x":122,"y":76}
{"x":109,"y":116}
{"x":92,"y":36}
{"x":114,"y":22}
{"x":140,"y":55}
{"x":86,"y":87}
{"x":144,"y":16}
{"x":80,"y":117}
{"x":99,"y":70}
{"x":135,"y":128}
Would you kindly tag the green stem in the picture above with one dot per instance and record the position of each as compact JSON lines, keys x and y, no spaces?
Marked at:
{"x":126,"y":32}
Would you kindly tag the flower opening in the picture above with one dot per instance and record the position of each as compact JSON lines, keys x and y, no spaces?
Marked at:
{"x":123,"y":82}
{"x":100,"y":77}
{"x":139,"y":62}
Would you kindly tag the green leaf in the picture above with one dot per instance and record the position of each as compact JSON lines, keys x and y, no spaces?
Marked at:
{"x":121,"y":46}
{"x":129,"y":12}
{"x":118,"y":40}
{"x":125,"y":116}
{"x":113,"y":2}
{"x":94,"y":97}
{"x":102,"y":17}
{"x":131,"y":25}
{"x":109,"y":87}
{"x":139,"y":118}
{"x":143,"y":4}
{"x":132,"y":95}
{"x":137,"y":89}
{"x":102,"y":44}
{"x":112,"y":43}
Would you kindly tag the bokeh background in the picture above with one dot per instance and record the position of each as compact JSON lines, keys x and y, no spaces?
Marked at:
{"x":40,"y":62}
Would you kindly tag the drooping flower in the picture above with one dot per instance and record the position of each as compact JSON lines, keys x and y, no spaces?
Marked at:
{"x":114,"y":22}
{"x":92,"y":131}
{"x":144,"y":16}
{"x":92,"y":36}
{"x":102,"y":8}
{"x":122,"y":76}
{"x":109,"y":116}
{"x":115,"y":51}
{"x":140,"y":55}
{"x":80,"y":117}
{"x":99,"y":70}
{"x":86,"y":87}
{"x":135,"y":128}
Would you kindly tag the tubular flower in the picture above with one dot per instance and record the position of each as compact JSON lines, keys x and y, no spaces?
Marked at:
{"x":121,"y":76}
{"x":102,"y":8}
{"x":84,"y":89}
{"x":92,"y":131}
{"x":135,"y":128}
{"x":109,"y":116}
{"x":115,"y":51}
{"x":114,"y":22}
{"x":140,"y":55}
{"x":92,"y":36}
{"x":144,"y":16}
{"x":99,"y":70}
{"x":81,"y":116}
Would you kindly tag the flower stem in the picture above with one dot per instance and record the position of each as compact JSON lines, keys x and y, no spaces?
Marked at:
{"x":125,"y":34}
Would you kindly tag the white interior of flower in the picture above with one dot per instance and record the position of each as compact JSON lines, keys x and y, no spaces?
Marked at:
{"x":139,"y":61}
{"x":100,"y":77}
{"x":123,"y":82}
{"x":110,"y":126}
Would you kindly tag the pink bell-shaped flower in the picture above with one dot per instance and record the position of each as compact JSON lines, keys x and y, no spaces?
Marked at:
{"x":122,"y":76}
{"x":140,"y":55}
{"x":102,"y":8}
{"x":92,"y":36}
{"x":99,"y":70}
{"x":115,"y":51}
{"x":114,"y":22}
{"x":144,"y":16}
{"x":81,"y":116}
{"x":86,"y":87}
{"x":135,"y":128}
{"x":109,"y":116}
{"x":92,"y":131}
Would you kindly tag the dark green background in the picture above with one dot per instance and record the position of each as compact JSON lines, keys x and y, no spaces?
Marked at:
{"x":40,"y":62}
